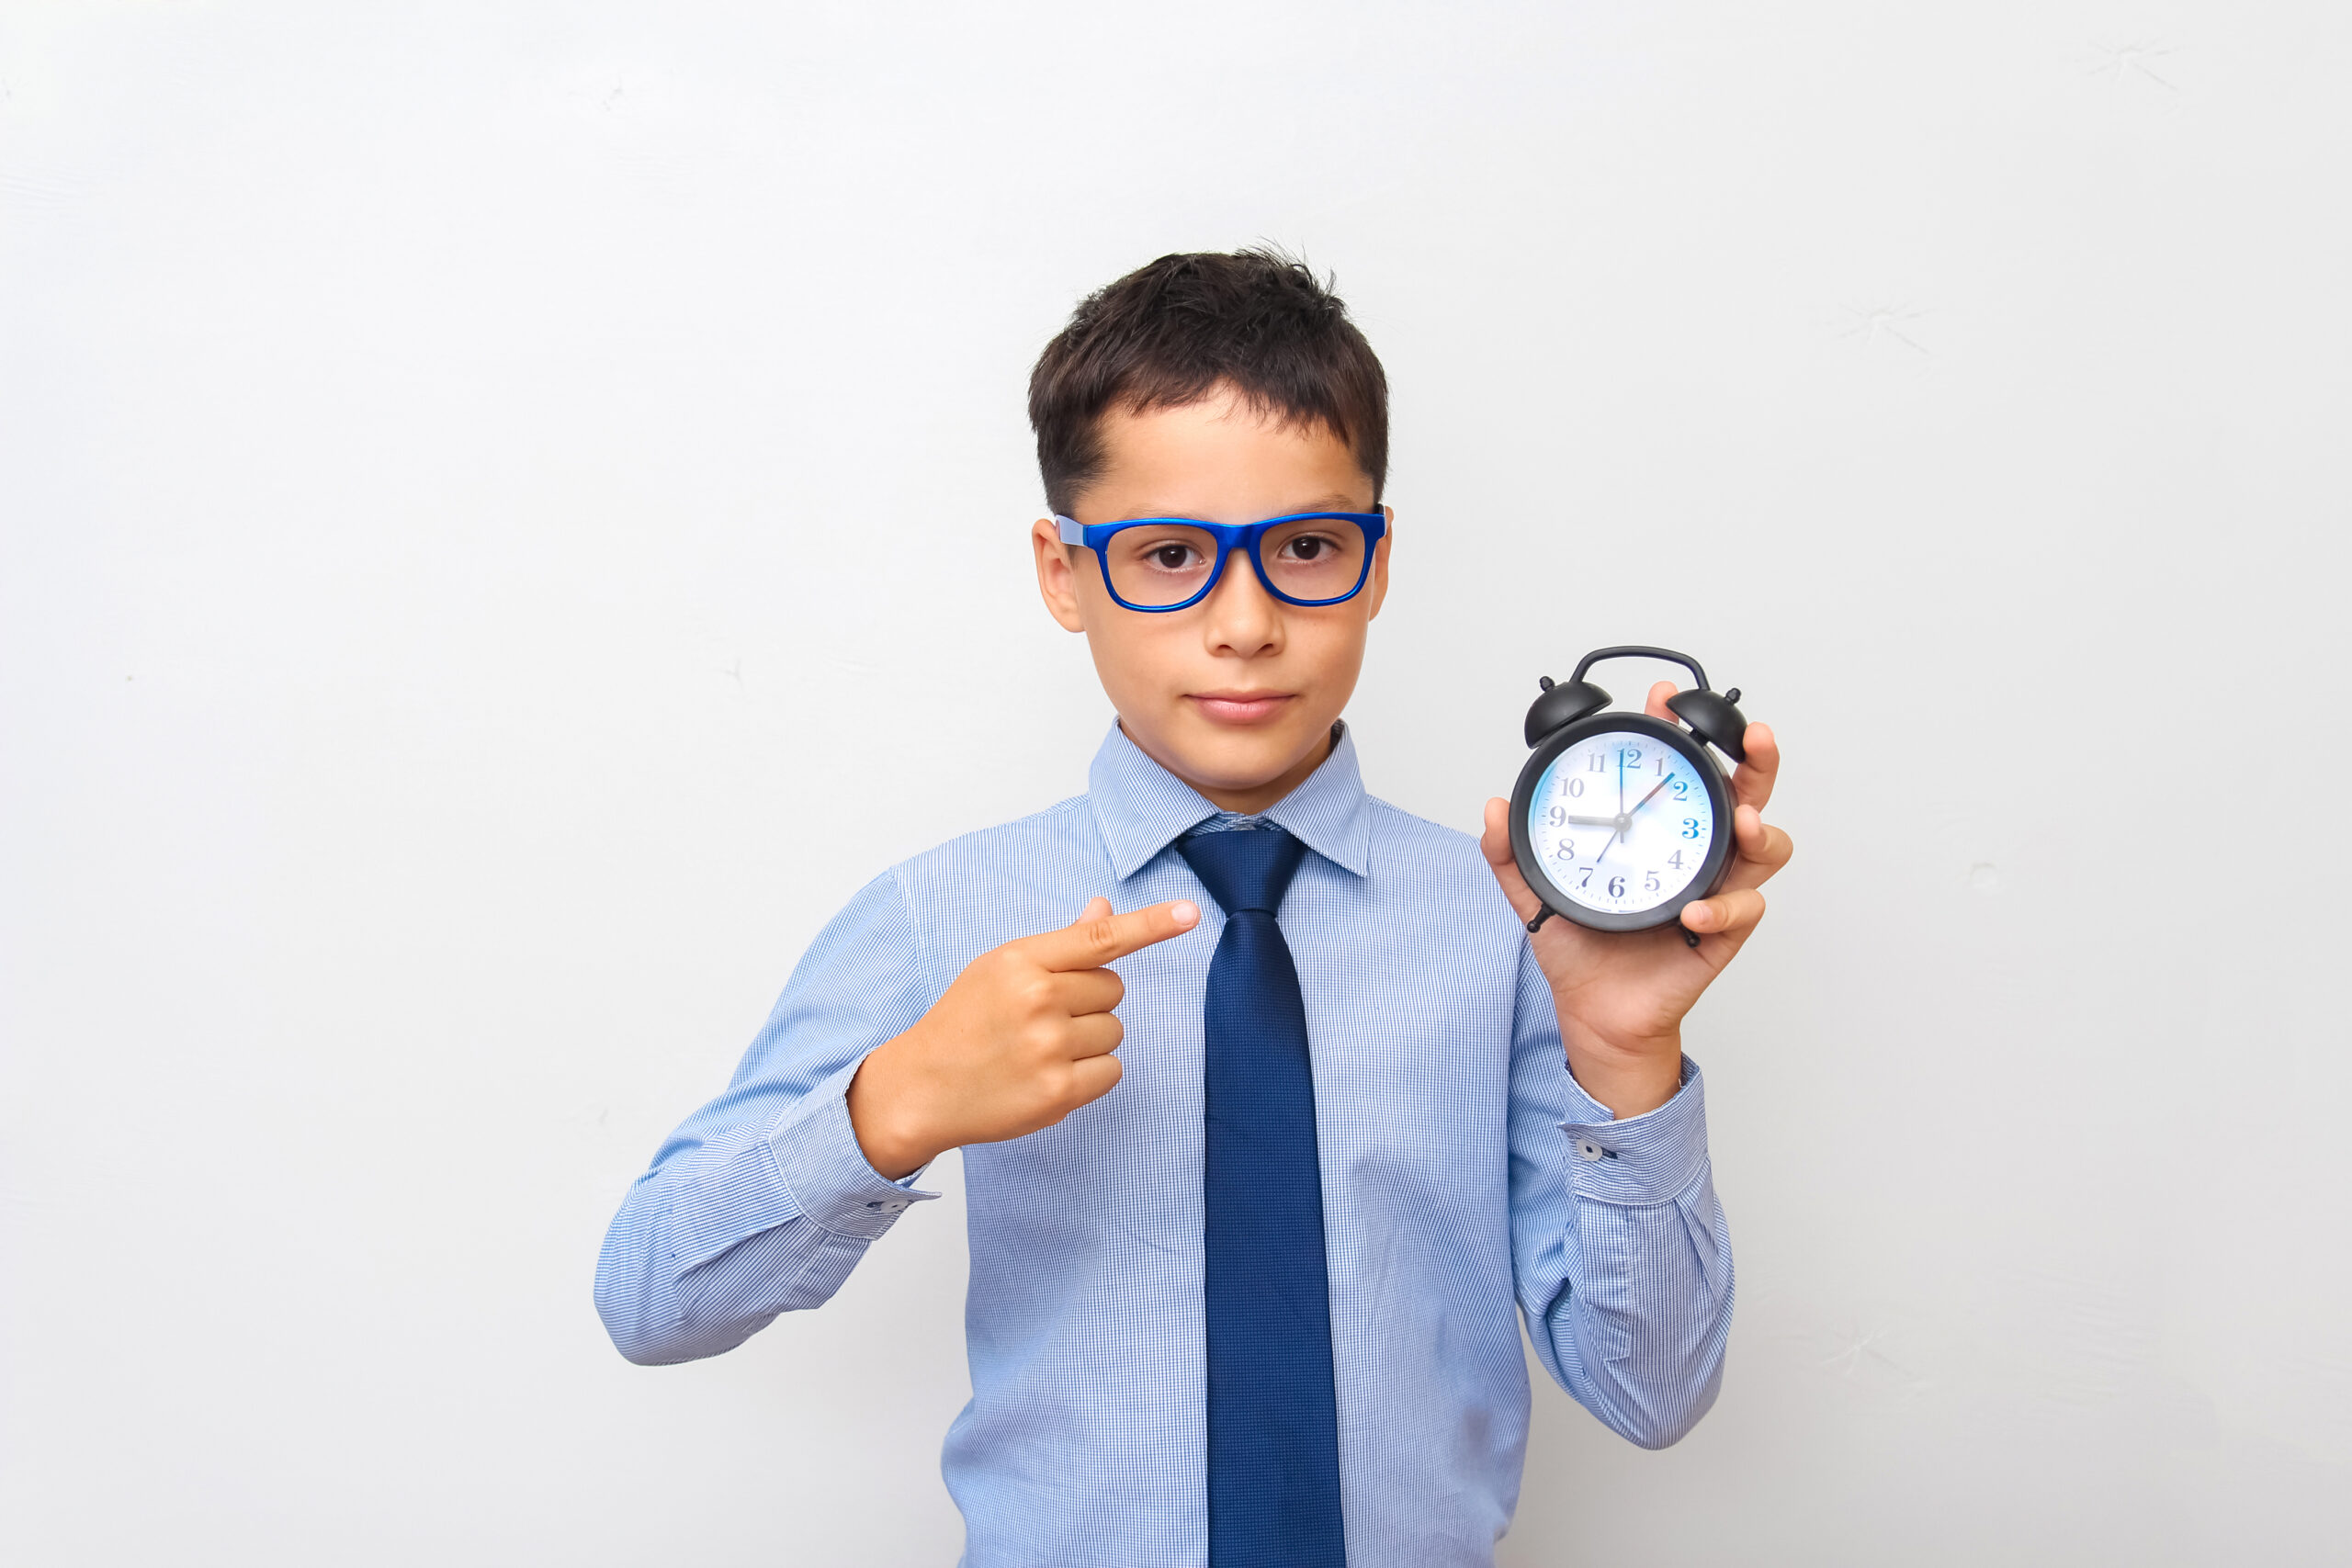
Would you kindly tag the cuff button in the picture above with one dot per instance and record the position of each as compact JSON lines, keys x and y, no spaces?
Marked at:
{"x":1588,"y":1150}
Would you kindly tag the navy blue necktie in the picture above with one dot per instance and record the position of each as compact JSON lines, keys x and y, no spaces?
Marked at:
{"x":1273,"y":1436}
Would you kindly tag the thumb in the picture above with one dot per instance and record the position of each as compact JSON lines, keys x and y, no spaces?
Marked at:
{"x":1496,"y":840}
{"x":1096,"y":907}
{"x":1496,"y":843}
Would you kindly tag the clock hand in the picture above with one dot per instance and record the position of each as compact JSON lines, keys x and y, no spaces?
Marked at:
{"x":1624,"y":819}
{"x":1617,"y":821}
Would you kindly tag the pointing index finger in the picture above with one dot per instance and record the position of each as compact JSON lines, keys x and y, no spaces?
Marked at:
{"x":1093,"y":940}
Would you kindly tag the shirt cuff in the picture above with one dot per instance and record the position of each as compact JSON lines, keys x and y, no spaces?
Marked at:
{"x":1649,"y":1158}
{"x":826,"y":1172}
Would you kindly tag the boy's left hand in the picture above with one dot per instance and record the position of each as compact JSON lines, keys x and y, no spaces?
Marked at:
{"x":1621,"y":995}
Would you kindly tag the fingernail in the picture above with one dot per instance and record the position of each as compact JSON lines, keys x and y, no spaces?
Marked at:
{"x":1186,"y":912}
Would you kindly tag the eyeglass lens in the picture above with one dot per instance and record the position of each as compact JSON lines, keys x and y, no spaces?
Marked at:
{"x":1159,"y":564}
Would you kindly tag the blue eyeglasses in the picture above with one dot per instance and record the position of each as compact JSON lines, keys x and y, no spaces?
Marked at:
{"x":1156,"y":564}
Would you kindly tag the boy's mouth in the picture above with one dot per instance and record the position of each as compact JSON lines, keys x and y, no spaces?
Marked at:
{"x":1241,"y":708}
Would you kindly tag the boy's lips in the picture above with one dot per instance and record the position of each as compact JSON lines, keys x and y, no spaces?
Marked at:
{"x":1241,"y":708}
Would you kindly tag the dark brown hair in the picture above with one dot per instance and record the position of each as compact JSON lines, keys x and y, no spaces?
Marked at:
{"x":1169,"y":333}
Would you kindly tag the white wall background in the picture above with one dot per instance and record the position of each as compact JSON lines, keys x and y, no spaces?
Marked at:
{"x":512,"y":511}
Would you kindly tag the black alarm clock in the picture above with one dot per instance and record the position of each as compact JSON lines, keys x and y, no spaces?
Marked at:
{"x":1620,"y":819}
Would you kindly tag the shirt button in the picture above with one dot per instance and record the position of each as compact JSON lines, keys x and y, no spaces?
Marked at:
{"x":1588,"y":1149}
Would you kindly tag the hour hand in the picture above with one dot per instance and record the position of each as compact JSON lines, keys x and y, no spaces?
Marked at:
{"x":1595,"y":821}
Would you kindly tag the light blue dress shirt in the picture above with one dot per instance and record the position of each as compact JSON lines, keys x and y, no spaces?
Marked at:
{"x":1465,"y":1175}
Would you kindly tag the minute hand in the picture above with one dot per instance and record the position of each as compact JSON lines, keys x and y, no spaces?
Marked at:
{"x":1653,"y":793}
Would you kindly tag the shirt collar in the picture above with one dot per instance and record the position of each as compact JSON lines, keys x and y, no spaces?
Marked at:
{"x":1142,"y":807}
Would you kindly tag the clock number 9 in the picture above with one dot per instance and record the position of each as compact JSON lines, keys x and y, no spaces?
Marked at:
{"x":1558,"y":817}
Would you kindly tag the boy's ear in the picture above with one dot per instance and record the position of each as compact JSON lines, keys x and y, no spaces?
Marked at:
{"x":1056,"y":574}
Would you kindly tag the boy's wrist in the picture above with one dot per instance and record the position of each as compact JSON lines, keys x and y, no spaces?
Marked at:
{"x":883,"y":1114}
{"x":1629,"y":1082}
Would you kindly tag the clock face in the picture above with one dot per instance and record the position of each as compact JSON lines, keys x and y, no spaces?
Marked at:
{"x":1620,"y":822}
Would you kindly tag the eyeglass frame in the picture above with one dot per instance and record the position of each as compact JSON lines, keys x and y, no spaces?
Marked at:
{"x":1229,"y":537}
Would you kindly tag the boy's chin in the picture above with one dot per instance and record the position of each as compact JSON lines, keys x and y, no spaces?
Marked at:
{"x":1238,"y":759}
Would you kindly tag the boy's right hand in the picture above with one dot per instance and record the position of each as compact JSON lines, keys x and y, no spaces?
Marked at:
{"x":1022,"y":1038}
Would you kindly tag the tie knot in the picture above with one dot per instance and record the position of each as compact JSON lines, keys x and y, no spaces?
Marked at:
{"x":1245,"y":868}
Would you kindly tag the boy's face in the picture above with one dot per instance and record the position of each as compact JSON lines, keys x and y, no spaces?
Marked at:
{"x":1237,"y":694}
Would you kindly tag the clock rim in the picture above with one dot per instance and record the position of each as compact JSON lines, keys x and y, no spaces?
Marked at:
{"x":1703,"y":885}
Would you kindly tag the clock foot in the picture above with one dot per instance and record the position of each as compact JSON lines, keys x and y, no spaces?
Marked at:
{"x":1536,"y":923}
{"x":1689,"y":937}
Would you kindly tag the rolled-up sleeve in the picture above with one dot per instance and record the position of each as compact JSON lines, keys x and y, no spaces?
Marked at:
{"x":1621,"y":1252}
{"x":762,"y":1202}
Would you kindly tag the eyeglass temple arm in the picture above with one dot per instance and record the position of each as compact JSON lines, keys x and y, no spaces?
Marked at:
{"x":1073,"y":531}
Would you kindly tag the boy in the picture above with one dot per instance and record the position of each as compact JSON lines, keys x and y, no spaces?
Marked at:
{"x":1258,"y":1167}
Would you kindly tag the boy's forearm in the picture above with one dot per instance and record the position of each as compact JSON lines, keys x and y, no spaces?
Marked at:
{"x":1640,"y":1344}
{"x":1620,"y":1233}
{"x":764,"y":1205}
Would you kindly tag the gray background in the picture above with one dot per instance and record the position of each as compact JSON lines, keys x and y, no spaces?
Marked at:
{"x":513,"y":512}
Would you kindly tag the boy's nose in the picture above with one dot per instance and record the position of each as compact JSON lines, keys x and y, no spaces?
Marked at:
{"x":1243,"y":618}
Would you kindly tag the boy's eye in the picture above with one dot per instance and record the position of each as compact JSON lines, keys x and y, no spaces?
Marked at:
{"x":1167,"y":552}
{"x":1312,"y":550}
{"x":1162,"y":566}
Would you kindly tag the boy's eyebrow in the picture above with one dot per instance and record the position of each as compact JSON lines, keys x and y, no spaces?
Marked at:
{"x":1333,"y":502}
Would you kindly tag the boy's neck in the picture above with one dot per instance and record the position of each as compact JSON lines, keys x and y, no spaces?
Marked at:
{"x":1254,"y":799}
